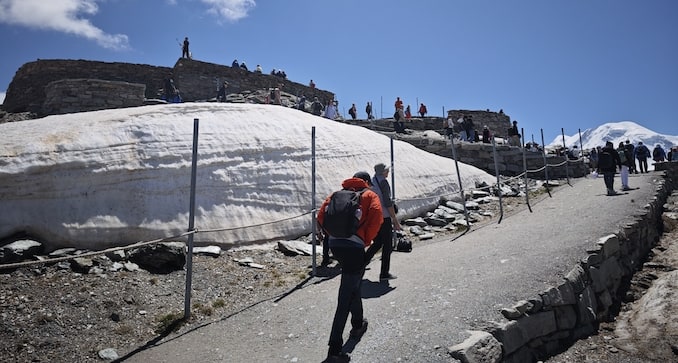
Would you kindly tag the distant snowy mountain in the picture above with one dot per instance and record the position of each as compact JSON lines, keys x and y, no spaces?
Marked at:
{"x":617,"y":132}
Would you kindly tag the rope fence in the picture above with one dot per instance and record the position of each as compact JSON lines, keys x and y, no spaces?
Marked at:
{"x":192,"y":230}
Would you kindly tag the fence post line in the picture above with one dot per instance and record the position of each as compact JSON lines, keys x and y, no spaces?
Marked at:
{"x":581,"y":146}
{"x":546,"y":166}
{"x":496,"y":173}
{"x":314,"y":227}
{"x":567,"y":159}
{"x":394,"y":235}
{"x":527,"y":196}
{"x":392,"y":172}
{"x":191,"y":223}
{"x":461,"y":188}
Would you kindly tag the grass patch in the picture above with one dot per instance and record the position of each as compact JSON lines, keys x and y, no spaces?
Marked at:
{"x":171,"y":321}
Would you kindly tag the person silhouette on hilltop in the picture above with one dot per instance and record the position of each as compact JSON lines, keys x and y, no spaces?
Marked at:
{"x":184,"y":49}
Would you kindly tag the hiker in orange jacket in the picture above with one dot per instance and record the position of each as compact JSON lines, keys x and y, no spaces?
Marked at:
{"x":350,"y":252}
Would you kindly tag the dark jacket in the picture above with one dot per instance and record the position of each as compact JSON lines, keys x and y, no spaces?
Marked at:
{"x":608,"y":160}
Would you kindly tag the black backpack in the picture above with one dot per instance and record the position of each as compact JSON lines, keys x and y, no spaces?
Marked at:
{"x":342,"y":214}
{"x":606,"y":160}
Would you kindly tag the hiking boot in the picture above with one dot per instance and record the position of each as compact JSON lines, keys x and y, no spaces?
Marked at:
{"x":325,"y":262}
{"x":626,"y":188}
{"x":387,"y":277}
{"x":340,"y":358}
{"x":611,"y":192}
{"x":358,"y":332}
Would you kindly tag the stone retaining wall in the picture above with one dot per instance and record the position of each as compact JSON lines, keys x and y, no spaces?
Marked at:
{"x":78,"y":95}
{"x":540,"y":326}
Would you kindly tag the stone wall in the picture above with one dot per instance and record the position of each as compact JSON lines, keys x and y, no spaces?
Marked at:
{"x":198,"y":80}
{"x":540,"y":326}
{"x":195,"y":80}
{"x":27,"y":90}
{"x":77,"y":95}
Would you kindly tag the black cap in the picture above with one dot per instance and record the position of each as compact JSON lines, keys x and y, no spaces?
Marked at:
{"x":364,"y":176}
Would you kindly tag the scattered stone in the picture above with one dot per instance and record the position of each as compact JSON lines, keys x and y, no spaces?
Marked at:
{"x":108,"y":354}
{"x":214,"y":251}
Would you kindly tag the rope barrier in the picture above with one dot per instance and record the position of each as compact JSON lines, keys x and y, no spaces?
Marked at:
{"x":212,"y":230}
{"x":93,"y":253}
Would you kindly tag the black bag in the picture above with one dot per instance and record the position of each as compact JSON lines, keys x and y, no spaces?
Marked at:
{"x":342,"y":214}
{"x":403,"y":243}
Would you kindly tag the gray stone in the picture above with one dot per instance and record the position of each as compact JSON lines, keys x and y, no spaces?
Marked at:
{"x":214,"y":251}
{"x":426,"y":236}
{"x":108,"y":354}
{"x":512,"y":336}
{"x":436,"y":221}
{"x":566,"y":317}
{"x":577,"y":277}
{"x":610,"y":245}
{"x":298,"y":248}
{"x":539,"y":324}
{"x":82,"y":265}
{"x":20,"y":250}
{"x":456,"y":206}
{"x":480,"y":347}
{"x":419,"y":221}
{"x":416,"y":230}
{"x":159,"y":258}
{"x":511,"y":313}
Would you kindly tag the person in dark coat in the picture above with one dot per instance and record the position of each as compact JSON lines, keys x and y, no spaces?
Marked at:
{"x":486,"y":135}
{"x":608,"y":161}
{"x":184,"y":49}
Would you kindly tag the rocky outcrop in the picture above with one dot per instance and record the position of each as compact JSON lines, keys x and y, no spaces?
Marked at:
{"x":195,"y":80}
{"x":27,"y":91}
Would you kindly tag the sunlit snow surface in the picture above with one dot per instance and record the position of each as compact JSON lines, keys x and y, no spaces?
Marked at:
{"x":115,"y":177}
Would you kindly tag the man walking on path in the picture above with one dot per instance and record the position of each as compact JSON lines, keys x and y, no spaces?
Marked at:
{"x":384,"y":239}
{"x":350,"y":252}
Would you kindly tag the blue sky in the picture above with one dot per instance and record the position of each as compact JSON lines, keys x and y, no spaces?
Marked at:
{"x":571,"y":64}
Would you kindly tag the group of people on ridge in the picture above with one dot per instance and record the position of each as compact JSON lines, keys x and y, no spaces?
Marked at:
{"x":607,"y":160}
{"x":375,"y":220}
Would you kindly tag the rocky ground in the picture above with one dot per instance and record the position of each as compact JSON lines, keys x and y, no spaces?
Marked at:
{"x":52,"y":314}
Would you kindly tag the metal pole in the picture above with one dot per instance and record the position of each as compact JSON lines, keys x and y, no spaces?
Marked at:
{"x":191,"y":223}
{"x":581,"y":146}
{"x":392,"y":172}
{"x":496,"y":172}
{"x":394,"y":235}
{"x":546,"y":166}
{"x":527,"y":196}
{"x":381,"y":107}
{"x":461,"y":188}
{"x":567,"y":159}
{"x":314,"y":227}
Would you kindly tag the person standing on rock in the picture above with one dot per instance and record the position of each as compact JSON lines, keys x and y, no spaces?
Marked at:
{"x":368,"y":110}
{"x":184,"y":49}
{"x":608,"y":161}
{"x":350,"y":252}
{"x":384,"y":239}
{"x":422,"y":110}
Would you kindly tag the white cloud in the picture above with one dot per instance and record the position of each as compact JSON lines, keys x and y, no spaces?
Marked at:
{"x":2,"y":97}
{"x":60,"y":15}
{"x":231,"y":10}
